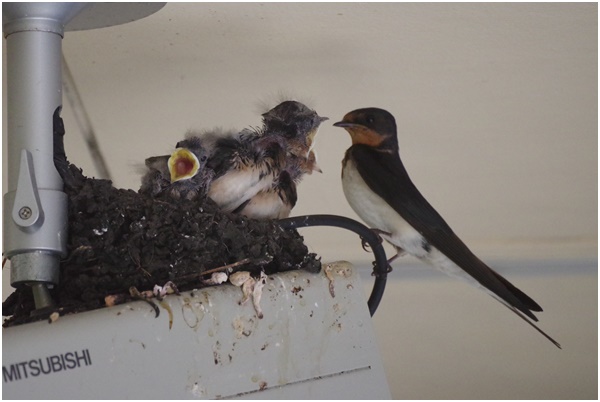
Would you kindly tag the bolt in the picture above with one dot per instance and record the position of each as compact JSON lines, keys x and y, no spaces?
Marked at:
{"x":25,"y":213}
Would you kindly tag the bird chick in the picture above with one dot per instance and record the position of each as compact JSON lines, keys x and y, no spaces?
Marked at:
{"x":257,"y":171}
{"x":289,"y":131}
{"x":253,"y":172}
{"x":297,"y":123}
{"x":181,"y":175}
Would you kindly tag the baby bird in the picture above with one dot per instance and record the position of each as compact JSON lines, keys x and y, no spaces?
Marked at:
{"x":181,"y":175}
{"x":253,"y":172}
{"x":258,"y":175}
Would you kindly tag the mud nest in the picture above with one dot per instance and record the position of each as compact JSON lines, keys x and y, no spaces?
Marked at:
{"x":119,"y":238}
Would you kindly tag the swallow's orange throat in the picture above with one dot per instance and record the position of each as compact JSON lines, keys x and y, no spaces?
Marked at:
{"x":363,"y":135}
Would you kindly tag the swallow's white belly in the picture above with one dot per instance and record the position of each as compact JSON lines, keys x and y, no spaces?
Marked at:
{"x":378,"y":214}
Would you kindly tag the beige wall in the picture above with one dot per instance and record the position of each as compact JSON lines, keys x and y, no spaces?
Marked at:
{"x":496,"y":106}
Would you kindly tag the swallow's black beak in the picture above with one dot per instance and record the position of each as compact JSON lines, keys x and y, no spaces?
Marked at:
{"x":344,"y":124}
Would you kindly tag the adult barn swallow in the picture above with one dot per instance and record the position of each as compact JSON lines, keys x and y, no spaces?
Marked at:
{"x":379,"y":190}
{"x":181,"y":175}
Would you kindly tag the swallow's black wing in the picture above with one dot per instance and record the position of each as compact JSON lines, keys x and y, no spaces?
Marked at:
{"x":385,"y":174}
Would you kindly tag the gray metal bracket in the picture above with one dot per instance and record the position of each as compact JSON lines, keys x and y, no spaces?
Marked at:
{"x":315,"y":341}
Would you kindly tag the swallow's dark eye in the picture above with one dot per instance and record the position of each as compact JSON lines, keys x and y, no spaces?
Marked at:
{"x":202,"y":159}
{"x":370,"y":119}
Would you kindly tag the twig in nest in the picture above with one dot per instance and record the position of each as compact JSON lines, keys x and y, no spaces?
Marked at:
{"x":218,"y":269}
{"x":228,"y":266}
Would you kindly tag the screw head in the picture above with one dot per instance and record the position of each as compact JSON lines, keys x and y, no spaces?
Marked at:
{"x":25,"y":213}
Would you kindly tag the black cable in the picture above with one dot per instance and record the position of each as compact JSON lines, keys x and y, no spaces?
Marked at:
{"x":380,"y":264}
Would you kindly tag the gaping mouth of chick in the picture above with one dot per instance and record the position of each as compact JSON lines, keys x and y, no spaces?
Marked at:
{"x":183,"y":165}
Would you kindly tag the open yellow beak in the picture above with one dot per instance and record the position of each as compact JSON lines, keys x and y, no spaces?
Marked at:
{"x":183,"y":165}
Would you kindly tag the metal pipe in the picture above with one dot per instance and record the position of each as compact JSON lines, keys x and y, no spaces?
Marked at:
{"x":35,"y":207}
{"x":381,"y":265}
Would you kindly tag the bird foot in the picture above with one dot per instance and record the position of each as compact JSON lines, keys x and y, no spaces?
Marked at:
{"x":375,"y":273}
{"x":378,"y":232}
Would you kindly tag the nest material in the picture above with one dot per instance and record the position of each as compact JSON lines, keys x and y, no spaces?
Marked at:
{"x":119,"y":238}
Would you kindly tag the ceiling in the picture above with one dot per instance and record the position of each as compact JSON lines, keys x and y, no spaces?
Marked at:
{"x":497,"y":112}
{"x":496,"y":103}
